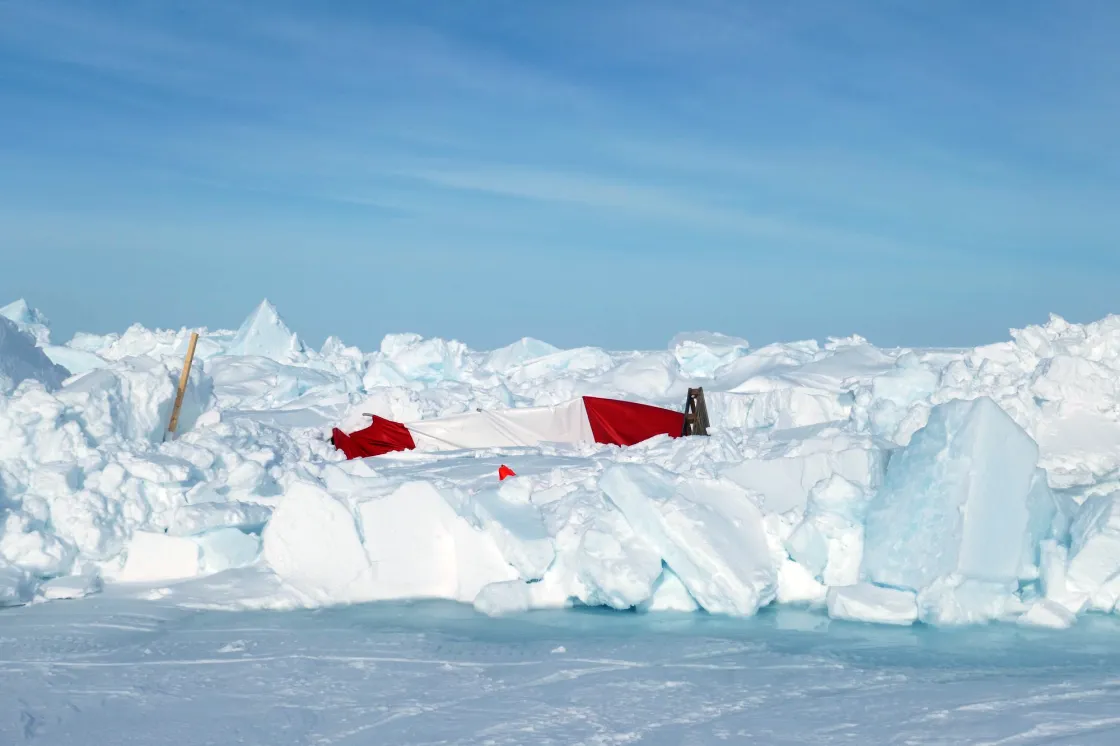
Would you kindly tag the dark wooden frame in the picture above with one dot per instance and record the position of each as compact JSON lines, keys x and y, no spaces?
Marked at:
{"x":695,"y":414}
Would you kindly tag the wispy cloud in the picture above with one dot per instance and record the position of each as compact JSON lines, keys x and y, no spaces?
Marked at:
{"x":658,"y":205}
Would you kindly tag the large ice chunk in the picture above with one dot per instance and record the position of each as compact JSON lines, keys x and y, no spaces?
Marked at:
{"x":154,"y":557}
{"x":518,"y":353}
{"x":870,"y":603}
{"x":515,"y":525}
{"x":600,"y":558}
{"x":795,"y":461}
{"x":708,"y":532}
{"x":312,"y":543}
{"x":29,"y":320}
{"x":33,"y":544}
{"x":416,"y":359}
{"x":15,"y":585}
{"x":781,"y":407}
{"x":420,"y":547}
{"x":227,"y":548}
{"x":1093,"y":572}
{"x":20,"y":360}
{"x":132,"y":399}
{"x":75,"y":361}
{"x":895,"y":404}
{"x":956,"y":501}
{"x":71,"y":586}
{"x":670,"y":595}
{"x":264,"y":334}
{"x":1053,"y":578}
{"x":829,"y":540}
{"x":514,"y":596}
{"x":701,"y":354}
{"x":1047,"y":613}
{"x":956,"y":600}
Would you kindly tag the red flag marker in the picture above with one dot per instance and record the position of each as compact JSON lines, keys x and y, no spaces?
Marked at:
{"x":504,"y":471}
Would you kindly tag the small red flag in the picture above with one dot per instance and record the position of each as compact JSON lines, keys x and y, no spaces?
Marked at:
{"x":504,"y":471}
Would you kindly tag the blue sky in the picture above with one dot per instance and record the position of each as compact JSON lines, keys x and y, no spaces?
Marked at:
{"x":603,"y":173}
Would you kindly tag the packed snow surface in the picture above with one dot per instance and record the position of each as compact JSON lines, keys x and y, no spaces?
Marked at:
{"x":894,"y":486}
{"x":117,"y":672}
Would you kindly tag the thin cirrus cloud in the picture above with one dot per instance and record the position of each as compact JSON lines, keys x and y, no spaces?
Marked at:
{"x":649,"y":203}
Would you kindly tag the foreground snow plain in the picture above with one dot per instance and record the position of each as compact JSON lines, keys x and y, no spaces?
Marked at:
{"x":120,"y":672}
{"x":900,"y":486}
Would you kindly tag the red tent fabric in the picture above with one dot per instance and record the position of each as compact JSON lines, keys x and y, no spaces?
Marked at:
{"x":382,"y":436}
{"x":624,"y":423}
{"x":582,"y":420}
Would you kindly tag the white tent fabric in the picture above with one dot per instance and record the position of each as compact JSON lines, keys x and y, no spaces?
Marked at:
{"x":526,"y":426}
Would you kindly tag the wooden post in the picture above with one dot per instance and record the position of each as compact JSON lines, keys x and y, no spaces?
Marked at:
{"x":183,"y":378}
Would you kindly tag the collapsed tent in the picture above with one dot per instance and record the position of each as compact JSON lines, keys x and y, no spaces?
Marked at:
{"x":583,"y":420}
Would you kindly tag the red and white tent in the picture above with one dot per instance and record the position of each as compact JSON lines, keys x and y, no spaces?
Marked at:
{"x":586,"y":419}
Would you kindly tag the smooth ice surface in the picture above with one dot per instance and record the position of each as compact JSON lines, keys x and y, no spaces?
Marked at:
{"x":117,"y":672}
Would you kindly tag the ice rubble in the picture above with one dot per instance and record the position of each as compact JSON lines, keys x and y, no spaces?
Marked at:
{"x":891,"y":486}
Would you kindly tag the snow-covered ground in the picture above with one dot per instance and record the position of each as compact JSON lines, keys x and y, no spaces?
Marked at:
{"x":894,"y":486}
{"x":128,"y":673}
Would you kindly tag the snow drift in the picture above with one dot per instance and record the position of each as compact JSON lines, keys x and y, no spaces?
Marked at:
{"x":892,"y":486}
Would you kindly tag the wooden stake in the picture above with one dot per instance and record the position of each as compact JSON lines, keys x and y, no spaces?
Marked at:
{"x":183,"y":378}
